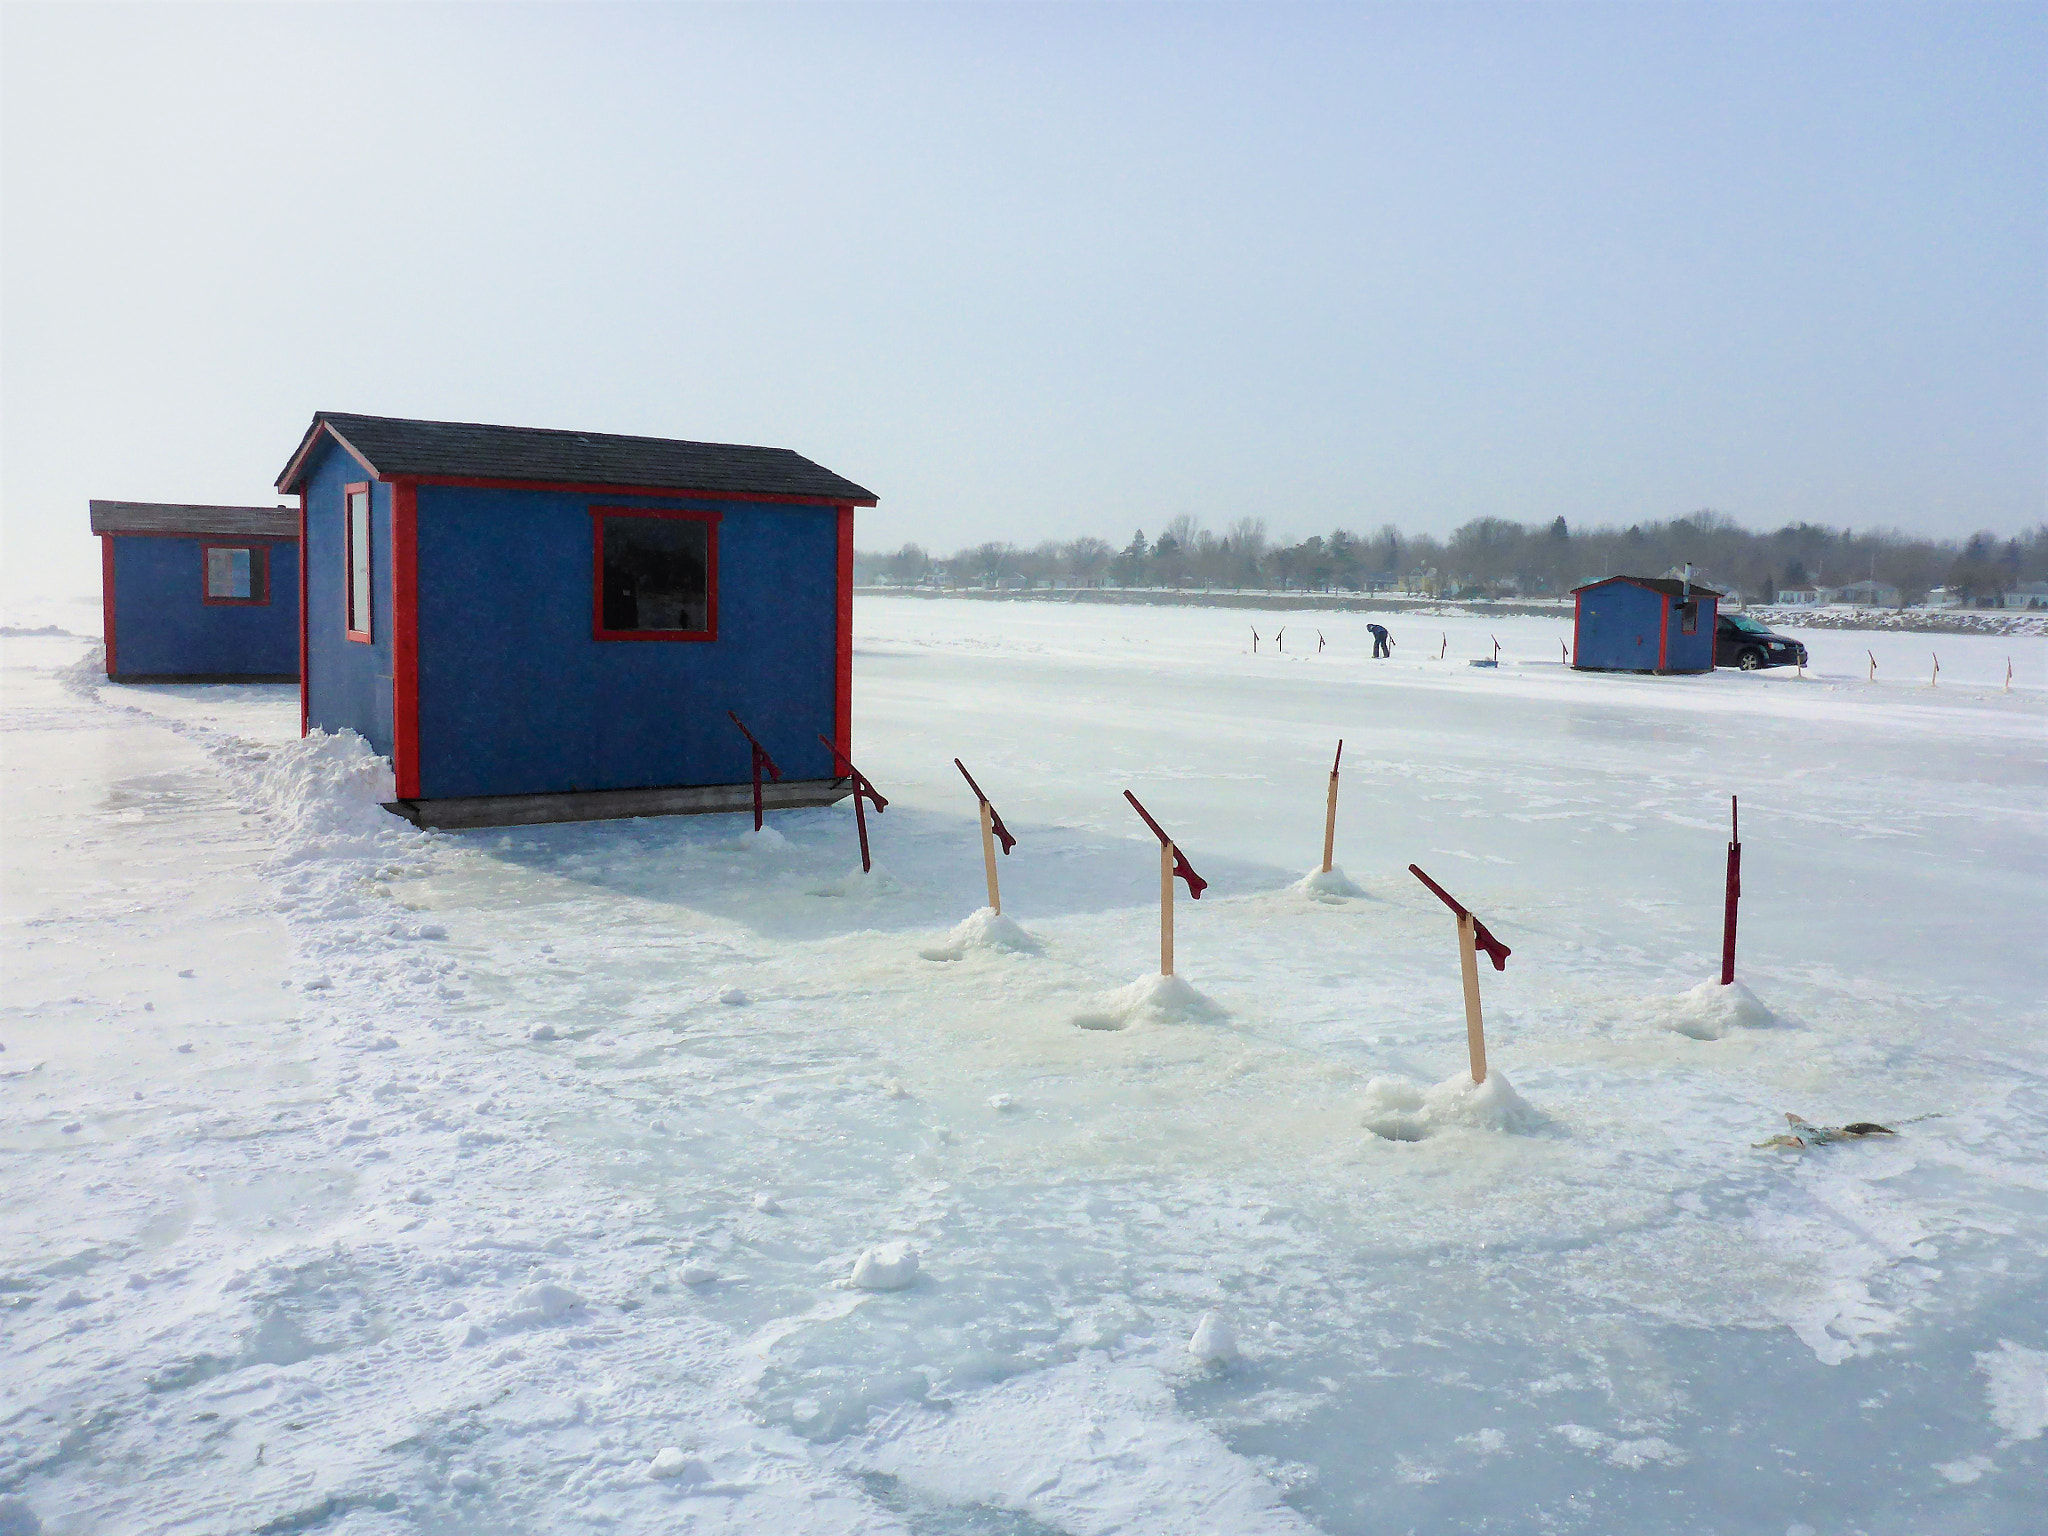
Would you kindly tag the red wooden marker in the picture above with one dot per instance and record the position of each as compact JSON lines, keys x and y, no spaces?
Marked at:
{"x":862,"y":789}
{"x":1171,"y":863}
{"x":1734,"y":892}
{"x":1472,"y":937}
{"x":761,"y":760}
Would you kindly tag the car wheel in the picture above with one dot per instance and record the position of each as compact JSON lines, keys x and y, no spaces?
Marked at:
{"x":1750,"y":659}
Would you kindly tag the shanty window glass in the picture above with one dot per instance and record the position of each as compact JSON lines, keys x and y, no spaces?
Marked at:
{"x":1689,"y":618}
{"x":656,"y":575}
{"x":237,"y":573}
{"x":359,"y":612}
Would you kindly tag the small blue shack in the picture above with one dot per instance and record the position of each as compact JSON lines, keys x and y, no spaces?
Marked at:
{"x":199,"y":594}
{"x":1644,"y":624}
{"x":538,"y":625}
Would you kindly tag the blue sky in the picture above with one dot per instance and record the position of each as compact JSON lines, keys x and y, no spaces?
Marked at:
{"x":1033,"y":271}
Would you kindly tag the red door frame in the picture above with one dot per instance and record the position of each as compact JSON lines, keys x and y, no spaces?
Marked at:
{"x":107,"y":595}
{"x":842,"y":690}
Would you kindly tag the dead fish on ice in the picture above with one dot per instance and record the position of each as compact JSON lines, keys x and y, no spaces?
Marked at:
{"x":1804,"y":1134}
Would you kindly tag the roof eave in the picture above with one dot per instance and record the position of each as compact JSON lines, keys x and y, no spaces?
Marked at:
{"x":294,"y":472}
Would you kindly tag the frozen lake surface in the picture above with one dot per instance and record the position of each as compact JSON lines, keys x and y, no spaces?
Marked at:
{"x":366,"y":1181}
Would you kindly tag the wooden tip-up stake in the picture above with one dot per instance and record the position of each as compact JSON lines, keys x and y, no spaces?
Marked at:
{"x":1330,"y":813}
{"x":1472,"y":937}
{"x":1443,"y":650}
{"x":1171,"y":863}
{"x":1873,"y":664}
{"x":862,"y":790}
{"x":1255,"y":638}
{"x":1934,"y":678}
{"x":991,"y":828}
{"x":1496,"y":651}
{"x":761,"y":760}
{"x":1734,"y":894}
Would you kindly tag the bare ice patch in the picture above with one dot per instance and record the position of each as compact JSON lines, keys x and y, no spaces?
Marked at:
{"x":1710,"y":1010}
{"x":1151,"y":1000}
{"x":1399,"y":1110}
{"x":1331,"y":885}
{"x":985,"y":929}
{"x":861,"y":883}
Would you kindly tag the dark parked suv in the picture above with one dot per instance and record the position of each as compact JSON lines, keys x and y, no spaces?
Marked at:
{"x":1742,"y":642}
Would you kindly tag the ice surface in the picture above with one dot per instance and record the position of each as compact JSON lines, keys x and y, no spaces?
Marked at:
{"x":277,"y":1288}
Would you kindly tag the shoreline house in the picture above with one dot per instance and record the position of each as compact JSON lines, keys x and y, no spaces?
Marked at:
{"x":539,"y":625}
{"x":1656,"y":624}
{"x":198,"y":594}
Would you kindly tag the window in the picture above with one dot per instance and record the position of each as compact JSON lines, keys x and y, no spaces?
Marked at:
{"x":237,"y":573}
{"x":657,"y":574}
{"x":359,"y":608}
{"x":1689,"y":618}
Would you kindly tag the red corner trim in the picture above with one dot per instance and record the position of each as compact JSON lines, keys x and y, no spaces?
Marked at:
{"x":107,"y":595}
{"x":1664,"y":633}
{"x":405,"y":638}
{"x":582,"y":488}
{"x":842,"y":693}
{"x":1578,"y":618}
{"x":710,"y":519}
{"x":305,"y":680}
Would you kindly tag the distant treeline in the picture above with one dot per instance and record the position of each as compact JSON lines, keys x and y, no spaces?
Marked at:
{"x":1492,"y":556}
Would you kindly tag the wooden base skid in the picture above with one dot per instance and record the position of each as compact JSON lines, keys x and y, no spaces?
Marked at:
{"x":613,"y":804}
{"x":204,"y":677}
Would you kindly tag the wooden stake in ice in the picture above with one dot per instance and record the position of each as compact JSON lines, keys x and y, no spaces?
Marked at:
{"x":1330,"y":814}
{"x":2008,"y":676}
{"x":1255,"y":640}
{"x":1496,"y":651}
{"x":991,"y":828}
{"x":1441,"y":650}
{"x":1563,"y":656}
{"x":1281,"y":639}
{"x":761,"y":760}
{"x":862,"y":791}
{"x":1171,"y":863}
{"x":1472,"y":937}
{"x":1873,"y":665}
{"x":1934,"y":678}
{"x":1734,"y":894}
{"x":1319,"y":642}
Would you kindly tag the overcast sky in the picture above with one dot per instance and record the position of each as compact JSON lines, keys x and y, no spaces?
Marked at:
{"x":1033,"y":271}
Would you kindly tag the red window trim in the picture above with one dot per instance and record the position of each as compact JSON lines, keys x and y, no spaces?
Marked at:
{"x":597,"y":630}
{"x":348,"y":563}
{"x":259,"y":550}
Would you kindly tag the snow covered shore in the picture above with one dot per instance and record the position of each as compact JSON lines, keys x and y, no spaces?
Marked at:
{"x":449,"y":1192}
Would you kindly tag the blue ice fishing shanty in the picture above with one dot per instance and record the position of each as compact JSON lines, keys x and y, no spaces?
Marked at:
{"x":1644,"y":624}
{"x":199,"y":594}
{"x":538,"y":625}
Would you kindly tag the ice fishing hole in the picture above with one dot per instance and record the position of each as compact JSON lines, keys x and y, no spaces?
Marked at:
{"x":1098,"y":1021}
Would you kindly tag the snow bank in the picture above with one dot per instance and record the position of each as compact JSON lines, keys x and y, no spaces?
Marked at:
{"x":326,"y":794}
{"x":1330,"y":884}
{"x":884,"y":1267}
{"x":1151,"y":1000}
{"x":2016,"y":1385}
{"x":1398,"y":1110}
{"x":1709,"y":1010}
{"x":985,"y":929}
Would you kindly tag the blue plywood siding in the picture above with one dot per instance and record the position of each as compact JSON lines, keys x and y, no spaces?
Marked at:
{"x":348,"y":682}
{"x":517,"y":697}
{"x":163,"y":627}
{"x":1618,"y":628}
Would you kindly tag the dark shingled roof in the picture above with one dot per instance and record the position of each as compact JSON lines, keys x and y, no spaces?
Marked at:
{"x":180,"y":517}
{"x":1670,"y":586}
{"x":392,"y":445}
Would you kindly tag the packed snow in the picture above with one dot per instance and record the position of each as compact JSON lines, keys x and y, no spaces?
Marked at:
{"x":366,"y":1180}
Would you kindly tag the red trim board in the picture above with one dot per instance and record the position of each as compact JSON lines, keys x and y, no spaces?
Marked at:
{"x":582,"y":488}
{"x":405,"y":638}
{"x":305,"y":637}
{"x":1664,"y":633}
{"x":107,"y":595}
{"x":1578,"y":618}
{"x":842,"y":691}
{"x":672,"y":514}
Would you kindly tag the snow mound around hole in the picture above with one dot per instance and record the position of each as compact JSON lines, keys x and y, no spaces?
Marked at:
{"x":861,"y":883}
{"x":984,"y":929}
{"x":1151,"y":1000}
{"x":1213,"y":1342}
{"x":1399,"y":1110}
{"x":884,"y":1267}
{"x":766,"y":840}
{"x":1710,"y":1010}
{"x":1330,"y":884}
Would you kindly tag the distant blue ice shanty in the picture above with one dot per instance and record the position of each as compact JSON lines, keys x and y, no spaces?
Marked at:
{"x":1644,"y":624}
{"x":199,"y":594}
{"x":540,"y":625}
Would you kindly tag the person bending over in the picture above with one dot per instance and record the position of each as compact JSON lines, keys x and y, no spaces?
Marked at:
{"x":1380,"y":642}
